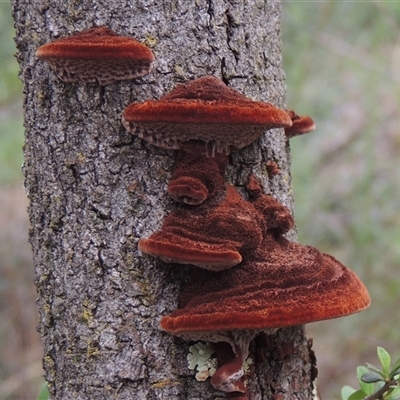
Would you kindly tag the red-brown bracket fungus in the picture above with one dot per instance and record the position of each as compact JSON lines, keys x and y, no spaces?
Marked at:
{"x":219,"y":233}
{"x":97,"y":55}
{"x":272,"y":215}
{"x":279,"y":284}
{"x":219,"y":230}
{"x":286,"y":284}
{"x":196,"y":177}
{"x":214,"y":237}
{"x":301,"y":125}
{"x":206,"y":110}
{"x":272,"y":168}
{"x":292,"y":285}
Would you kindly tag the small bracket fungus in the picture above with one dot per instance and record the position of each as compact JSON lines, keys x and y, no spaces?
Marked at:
{"x":229,"y":377}
{"x":97,"y":54}
{"x":222,"y":231}
{"x":204,"y":109}
{"x":301,"y":125}
{"x":196,"y":177}
{"x":272,"y":168}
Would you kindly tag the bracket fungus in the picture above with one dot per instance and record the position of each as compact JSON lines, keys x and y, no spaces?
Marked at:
{"x":222,"y":231}
{"x":279,"y":284}
{"x":219,"y":230}
{"x":286,"y":284}
{"x":213,"y":237}
{"x":272,"y":168}
{"x":293,"y":285}
{"x":97,"y":55}
{"x":206,"y":110}
{"x":300,"y":125}
{"x":195,"y":177}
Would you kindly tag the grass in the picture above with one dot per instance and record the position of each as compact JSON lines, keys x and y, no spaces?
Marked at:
{"x":342,"y":65}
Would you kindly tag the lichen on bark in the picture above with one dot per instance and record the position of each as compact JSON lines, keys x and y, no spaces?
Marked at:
{"x":94,"y":191}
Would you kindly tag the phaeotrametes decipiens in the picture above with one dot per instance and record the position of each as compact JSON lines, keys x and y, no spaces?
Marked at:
{"x":246,"y":277}
{"x":97,"y":55}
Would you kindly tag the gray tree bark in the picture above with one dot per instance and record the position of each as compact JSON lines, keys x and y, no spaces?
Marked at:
{"x":95,"y":191}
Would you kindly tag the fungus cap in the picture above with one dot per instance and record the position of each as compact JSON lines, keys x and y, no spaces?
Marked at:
{"x":211,"y":237}
{"x":97,"y":54}
{"x":289,"y":285}
{"x":196,"y":177}
{"x":186,"y":251}
{"x":188,"y":190}
{"x":204,"y":109}
{"x":228,"y":376}
{"x":300,"y":125}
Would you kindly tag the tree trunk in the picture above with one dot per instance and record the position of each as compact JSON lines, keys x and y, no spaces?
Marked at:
{"x":95,"y":190}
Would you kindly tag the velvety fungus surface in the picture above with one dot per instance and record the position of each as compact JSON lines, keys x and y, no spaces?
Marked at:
{"x":285,"y":285}
{"x":196,"y":177}
{"x":97,"y":55}
{"x":211,"y":237}
{"x":278,"y":284}
{"x":300,"y":125}
{"x":204,"y":109}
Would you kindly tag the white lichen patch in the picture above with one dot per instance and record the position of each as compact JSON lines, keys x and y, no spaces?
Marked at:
{"x":315,"y":393}
{"x":199,"y":358}
{"x":246,"y":365}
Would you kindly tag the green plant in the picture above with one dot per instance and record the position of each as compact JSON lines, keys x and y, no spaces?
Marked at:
{"x":44,"y":393}
{"x":375,"y":383}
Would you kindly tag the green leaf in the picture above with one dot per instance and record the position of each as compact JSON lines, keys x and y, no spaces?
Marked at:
{"x":385,"y":360}
{"x":396,"y":368}
{"x":395,"y":374}
{"x":373,"y":368}
{"x":44,"y":393}
{"x":346,"y":392}
{"x":371,"y":377}
{"x":394,"y":395}
{"x":358,"y":395}
{"x":367,"y":388}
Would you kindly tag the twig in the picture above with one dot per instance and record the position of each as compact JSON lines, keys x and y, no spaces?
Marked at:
{"x":378,"y":394}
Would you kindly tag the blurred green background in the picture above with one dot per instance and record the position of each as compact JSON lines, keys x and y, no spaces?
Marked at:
{"x":342,"y":62}
{"x":20,"y":348}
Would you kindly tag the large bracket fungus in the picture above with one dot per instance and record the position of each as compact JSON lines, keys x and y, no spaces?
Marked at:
{"x":251,"y":278}
{"x":279,"y":284}
{"x":97,"y":55}
{"x":285,"y":284}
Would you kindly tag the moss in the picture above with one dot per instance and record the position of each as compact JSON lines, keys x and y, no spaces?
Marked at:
{"x":92,"y":349}
{"x":150,"y":41}
{"x":87,"y":313}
